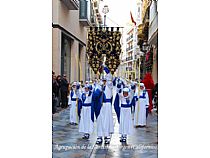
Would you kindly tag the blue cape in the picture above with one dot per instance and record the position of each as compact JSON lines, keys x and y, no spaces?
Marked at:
{"x":96,"y":103}
{"x":117,"y":106}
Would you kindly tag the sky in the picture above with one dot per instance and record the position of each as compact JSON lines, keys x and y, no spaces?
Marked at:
{"x":119,"y":15}
{"x":119,"y":11}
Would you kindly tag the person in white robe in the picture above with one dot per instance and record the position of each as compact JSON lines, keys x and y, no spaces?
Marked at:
{"x":86,"y":124}
{"x":105,"y":126}
{"x":74,"y":97}
{"x":123,"y":106}
{"x":140,"y":107}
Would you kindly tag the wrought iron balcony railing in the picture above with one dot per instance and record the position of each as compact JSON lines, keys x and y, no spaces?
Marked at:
{"x":129,"y":68}
{"x":129,"y":48}
{"x":129,"y":58}
{"x":130,"y":37}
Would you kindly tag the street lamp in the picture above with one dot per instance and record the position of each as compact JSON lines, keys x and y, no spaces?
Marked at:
{"x":145,"y":47}
{"x":105,"y":11}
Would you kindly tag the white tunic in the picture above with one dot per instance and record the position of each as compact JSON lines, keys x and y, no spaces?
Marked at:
{"x":114,"y":92}
{"x":140,"y":110}
{"x":105,"y":125}
{"x":86,"y":124}
{"x":73,"y":107}
{"x":126,"y":123}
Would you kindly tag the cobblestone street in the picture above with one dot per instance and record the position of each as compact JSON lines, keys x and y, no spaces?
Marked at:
{"x":68,"y":142}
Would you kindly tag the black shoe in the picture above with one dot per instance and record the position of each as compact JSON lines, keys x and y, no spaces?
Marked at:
{"x":99,"y":141}
{"x":106,"y":140}
{"x":142,"y":126}
{"x":124,"y":140}
{"x":86,"y":136}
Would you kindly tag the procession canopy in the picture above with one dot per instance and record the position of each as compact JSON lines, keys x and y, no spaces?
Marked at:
{"x":104,"y":42}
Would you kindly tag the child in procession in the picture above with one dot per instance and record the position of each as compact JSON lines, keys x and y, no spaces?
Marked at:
{"x":86,"y":123}
{"x":141,"y":107}
{"x":122,"y":107}
{"x":73,"y":102}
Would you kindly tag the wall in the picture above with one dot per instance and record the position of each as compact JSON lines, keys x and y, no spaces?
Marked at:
{"x":153,"y":24}
{"x":82,"y":64}
{"x":153,"y":38}
{"x":74,"y":61}
{"x":56,"y":49}
{"x":69,"y":20}
{"x":155,"y":66}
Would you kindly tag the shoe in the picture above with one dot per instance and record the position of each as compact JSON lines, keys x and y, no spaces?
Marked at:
{"x":142,"y":126}
{"x":106,"y":140}
{"x":123,"y":139}
{"x":99,"y":141}
{"x":86,"y":136}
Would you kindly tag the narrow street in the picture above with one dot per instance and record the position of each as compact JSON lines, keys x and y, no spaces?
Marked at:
{"x":68,"y":142}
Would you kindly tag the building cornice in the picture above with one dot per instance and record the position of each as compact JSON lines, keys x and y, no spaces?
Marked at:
{"x":68,"y":33}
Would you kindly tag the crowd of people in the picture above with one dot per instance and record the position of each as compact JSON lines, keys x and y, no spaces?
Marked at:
{"x":93,"y":101}
{"x":60,"y":90}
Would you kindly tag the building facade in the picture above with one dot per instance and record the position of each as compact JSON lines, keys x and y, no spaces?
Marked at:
{"x":153,"y":38}
{"x":148,"y":36}
{"x":131,"y":54}
{"x":131,"y":63}
{"x":70,"y":21}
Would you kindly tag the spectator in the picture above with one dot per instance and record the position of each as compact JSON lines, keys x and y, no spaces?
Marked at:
{"x":64,"y":92}
{"x":58,"y":79}
{"x":155,"y":97}
{"x":55,"y":90}
{"x":53,"y":94}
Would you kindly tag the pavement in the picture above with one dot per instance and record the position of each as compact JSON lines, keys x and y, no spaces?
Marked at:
{"x":68,"y":142}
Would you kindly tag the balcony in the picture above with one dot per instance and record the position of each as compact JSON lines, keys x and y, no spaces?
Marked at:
{"x":93,"y":21}
{"x":129,"y":48}
{"x":128,"y":68}
{"x":129,"y":58}
{"x":129,"y":38}
{"x":85,"y":12}
{"x":153,"y":27}
{"x":71,"y":4}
